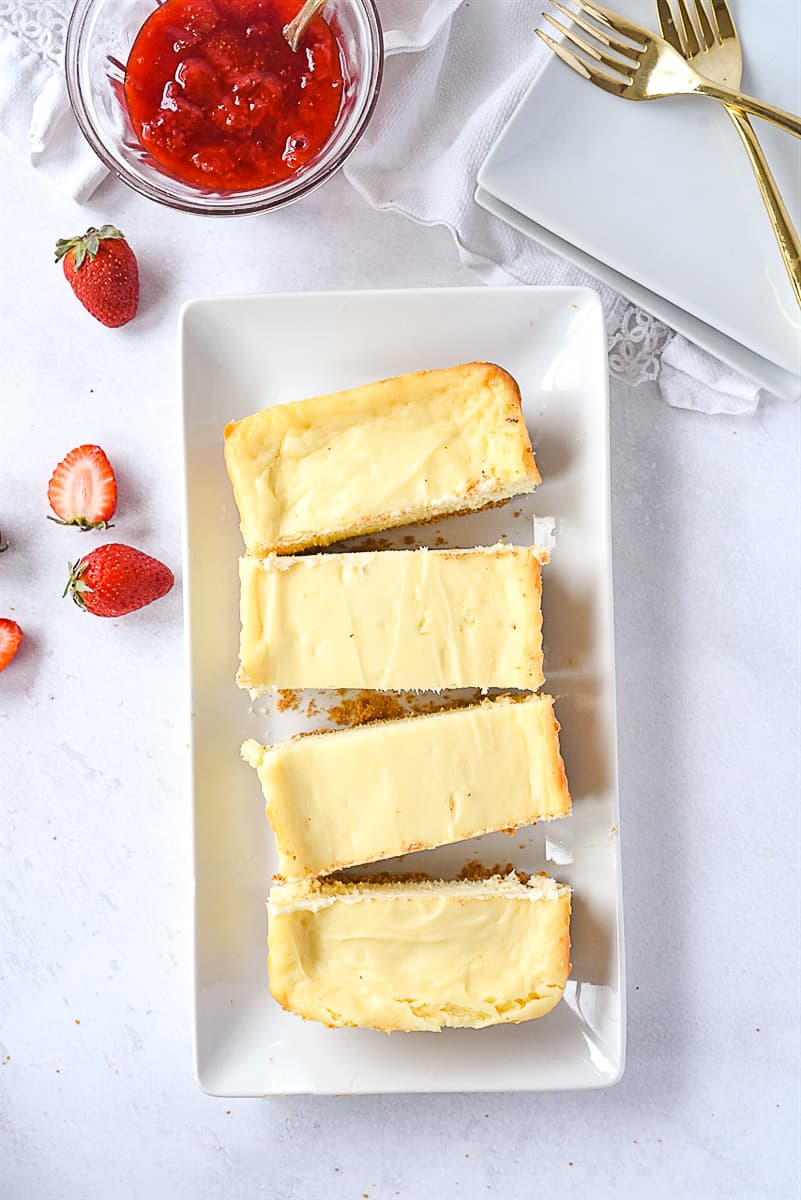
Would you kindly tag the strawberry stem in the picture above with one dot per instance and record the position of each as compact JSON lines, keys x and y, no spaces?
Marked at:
{"x":82,"y":523}
{"x":75,"y":584}
{"x":88,"y":243}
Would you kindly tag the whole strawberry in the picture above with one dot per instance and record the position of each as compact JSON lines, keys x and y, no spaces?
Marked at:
{"x":10,"y":638}
{"x":101,"y":269}
{"x":114,"y":580}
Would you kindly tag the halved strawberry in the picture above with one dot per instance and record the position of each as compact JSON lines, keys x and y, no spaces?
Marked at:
{"x":10,"y":638}
{"x":83,"y":490}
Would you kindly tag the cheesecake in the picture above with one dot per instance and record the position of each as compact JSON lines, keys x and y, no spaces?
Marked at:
{"x":339,"y":798}
{"x":393,"y":620}
{"x":409,"y":449}
{"x":419,"y":955}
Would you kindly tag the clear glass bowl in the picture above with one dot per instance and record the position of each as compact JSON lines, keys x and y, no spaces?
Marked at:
{"x":99,"y":39}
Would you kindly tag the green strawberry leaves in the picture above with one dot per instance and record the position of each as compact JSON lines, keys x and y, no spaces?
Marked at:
{"x":89,"y":243}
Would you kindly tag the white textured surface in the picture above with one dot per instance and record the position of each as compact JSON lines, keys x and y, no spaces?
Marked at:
{"x":96,"y":885}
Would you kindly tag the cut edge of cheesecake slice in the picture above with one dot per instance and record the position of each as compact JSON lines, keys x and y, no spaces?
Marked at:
{"x":411,"y":954}
{"x":345,"y":797}
{"x":284,"y":459}
{"x":332,"y":631}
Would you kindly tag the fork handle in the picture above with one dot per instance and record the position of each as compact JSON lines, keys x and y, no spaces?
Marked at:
{"x":758,"y":108}
{"x":786,"y":236}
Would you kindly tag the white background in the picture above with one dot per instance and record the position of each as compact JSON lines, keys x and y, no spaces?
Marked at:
{"x":98,"y":1098}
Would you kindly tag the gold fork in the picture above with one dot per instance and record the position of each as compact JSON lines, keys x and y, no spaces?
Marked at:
{"x":711,"y":43}
{"x":643,"y":66}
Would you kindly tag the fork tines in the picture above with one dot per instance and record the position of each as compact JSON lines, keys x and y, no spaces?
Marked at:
{"x":715,"y":25}
{"x":617,"y":52}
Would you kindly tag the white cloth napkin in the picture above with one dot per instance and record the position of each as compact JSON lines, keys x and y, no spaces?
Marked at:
{"x":34,"y":109}
{"x":455,"y":70}
{"x":691,"y":378}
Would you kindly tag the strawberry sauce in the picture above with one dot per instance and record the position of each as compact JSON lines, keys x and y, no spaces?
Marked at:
{"x":220,"y":101}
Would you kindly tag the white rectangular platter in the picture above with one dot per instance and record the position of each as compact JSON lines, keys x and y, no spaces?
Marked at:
{"x":241,"y":354}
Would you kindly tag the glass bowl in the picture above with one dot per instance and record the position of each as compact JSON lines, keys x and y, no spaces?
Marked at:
{"x":99,"y":40}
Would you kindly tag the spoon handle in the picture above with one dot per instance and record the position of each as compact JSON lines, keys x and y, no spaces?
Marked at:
{"x":296,"y":28}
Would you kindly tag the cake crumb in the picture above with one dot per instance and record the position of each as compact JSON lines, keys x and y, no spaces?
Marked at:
{"x":380,"y":877}
{"x":365,"y":544}
{"x":76,"y":1021}
{"x":312,"y":708}
{"x":366,"y":707}
{"x":288,"y":700}
{"x":408,"y":540}
{"x":474,"y":871}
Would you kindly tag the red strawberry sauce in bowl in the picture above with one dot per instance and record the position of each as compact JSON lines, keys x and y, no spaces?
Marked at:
{"x":203,"y":106}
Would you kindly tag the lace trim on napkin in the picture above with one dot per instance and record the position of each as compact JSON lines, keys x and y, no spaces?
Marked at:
{"x":40,"y":24}
{"x":635,"y":346}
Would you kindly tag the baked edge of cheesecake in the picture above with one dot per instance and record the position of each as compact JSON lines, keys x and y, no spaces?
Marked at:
{"x":478,"y":498}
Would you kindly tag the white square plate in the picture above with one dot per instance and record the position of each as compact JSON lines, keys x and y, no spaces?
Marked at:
{"x":661,"y":194}
{"x":239,"y":355}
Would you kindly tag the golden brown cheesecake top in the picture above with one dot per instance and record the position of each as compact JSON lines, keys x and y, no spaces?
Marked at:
{"x":391,"y":453}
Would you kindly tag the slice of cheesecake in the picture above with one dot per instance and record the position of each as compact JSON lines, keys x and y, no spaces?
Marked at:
{"x":419,"y":955}
{"x":394,"y":619}
{"x":408,"y":449}
{"x":340,"y":798}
